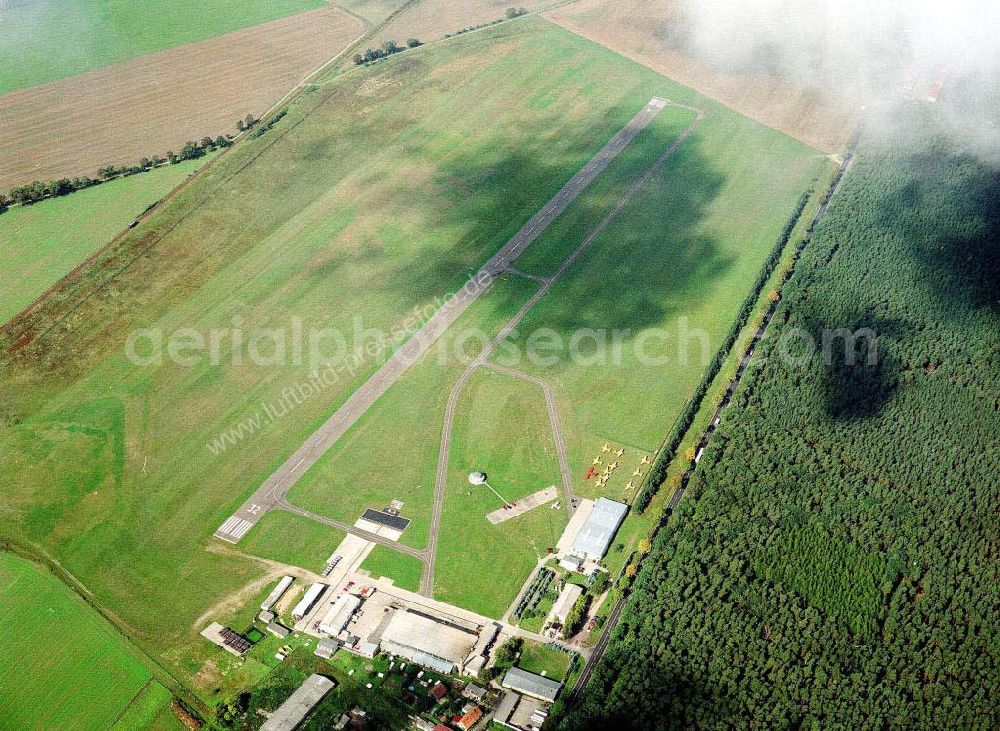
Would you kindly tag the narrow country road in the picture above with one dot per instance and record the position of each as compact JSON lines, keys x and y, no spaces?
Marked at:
{"x":706,"y":436}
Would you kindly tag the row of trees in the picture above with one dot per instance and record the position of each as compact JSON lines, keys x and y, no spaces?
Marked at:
{"x":39,"y":190}
{"x":833,"y":563}
{"x":388,"y":48}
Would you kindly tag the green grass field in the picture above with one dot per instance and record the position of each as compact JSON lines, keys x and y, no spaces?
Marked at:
{"x":537,"y":658}
{"x":376,"y":194}
{"x":391,"y":468}
{"x":404,"y":570}
{"x":292,"y":539}
{"x":64,"y":665}
{"x":49,"y":40}
{"x":39,"y":244}
{"x":502,"y":429}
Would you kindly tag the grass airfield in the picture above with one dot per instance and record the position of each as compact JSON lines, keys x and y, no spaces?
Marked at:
{"x":375,"y":194}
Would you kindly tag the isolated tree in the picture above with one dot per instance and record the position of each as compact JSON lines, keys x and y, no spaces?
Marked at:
{"x":413,"y":42}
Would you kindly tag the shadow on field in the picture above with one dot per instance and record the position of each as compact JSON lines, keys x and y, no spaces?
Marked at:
{"x":651,"y":261}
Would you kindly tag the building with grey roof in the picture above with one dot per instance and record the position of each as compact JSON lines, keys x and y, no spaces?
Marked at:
{"x":276,"y":593}
{"x":428,"y":641}
{"x":564,"y":604}
{"x":529,"y":684}
{"x":596,"y":534}
{"x":278,"y":630}
{"x":326,"y":648}
{"x":294,"y":710}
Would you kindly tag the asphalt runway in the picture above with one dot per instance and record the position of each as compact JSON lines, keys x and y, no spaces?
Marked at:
{"x":274,"y":489}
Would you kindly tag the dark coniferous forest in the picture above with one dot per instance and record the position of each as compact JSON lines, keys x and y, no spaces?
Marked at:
{"x":836,"y":562}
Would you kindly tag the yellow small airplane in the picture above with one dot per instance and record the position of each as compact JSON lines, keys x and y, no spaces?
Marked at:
{"x":606,"y":447}
{"x":597,"y":460}
{"x":629,"y":486}
{"x":620,"y":452}
{"x":645,"y":460}
{"x":615,"y":465}
{"x":637,"y":473}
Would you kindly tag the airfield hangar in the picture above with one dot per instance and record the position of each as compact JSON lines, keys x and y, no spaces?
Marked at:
{"x":597,"y":532}
{"x":427,"y":641}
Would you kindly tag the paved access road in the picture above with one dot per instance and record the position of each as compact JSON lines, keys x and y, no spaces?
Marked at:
{"x":274,"y":488}
{"x":706,"y":436}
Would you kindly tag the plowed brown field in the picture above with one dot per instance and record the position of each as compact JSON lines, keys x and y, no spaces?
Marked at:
{"x":637,"y":28}
{"x":431,"y":19}
{"x":156,"y":103}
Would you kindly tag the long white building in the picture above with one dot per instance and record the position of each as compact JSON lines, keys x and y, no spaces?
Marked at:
{"x":307,"y":602}
{"x":339,"y":614}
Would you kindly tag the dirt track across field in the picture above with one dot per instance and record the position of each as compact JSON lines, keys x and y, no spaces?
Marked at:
{"x":638,"y":29}
{"x":431,"y":19}
{"x":155,"y":103}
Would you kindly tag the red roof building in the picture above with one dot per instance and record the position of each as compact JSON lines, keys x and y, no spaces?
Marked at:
{"x":469,"y":719}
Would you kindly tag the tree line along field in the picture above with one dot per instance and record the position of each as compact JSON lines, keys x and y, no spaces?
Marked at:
{"x":49,"y":40}
{"x":41,"y":243}
{"x":64,"y":665}
{"x":404,"y":181}
{"x":834,"y":560}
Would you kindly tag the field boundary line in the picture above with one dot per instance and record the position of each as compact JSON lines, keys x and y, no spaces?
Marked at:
{"x":37,"y":555}
{"x":74,"y":273}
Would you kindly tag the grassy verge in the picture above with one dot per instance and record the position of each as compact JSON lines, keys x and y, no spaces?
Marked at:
{"x":41,"y":243}
{"x":405,"y":571}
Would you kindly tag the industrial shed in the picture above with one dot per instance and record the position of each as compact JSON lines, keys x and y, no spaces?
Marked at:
{"x":567,"y":598}
{"x":529,"y":684}
{"x":306,"y":697}
{"x":276,"y":593}
{"x":339,"y":614}
{"x":596,"y":534}
{"x":427,"y":641}
{"x":308,"y":600}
